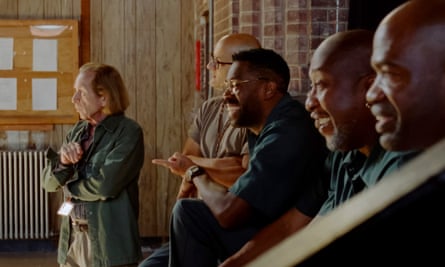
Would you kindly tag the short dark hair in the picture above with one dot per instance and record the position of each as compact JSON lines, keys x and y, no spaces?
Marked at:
{"x":268,"y":64}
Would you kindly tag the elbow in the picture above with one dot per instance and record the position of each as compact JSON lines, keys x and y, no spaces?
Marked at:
{"x":230,"y":218}
{"x":293,"y":221}
{"x":105,"y":191}
{"x":223,"y":213}
{"x":225,"y":221}
{"x":104,"y":194}
{"x":233,"y":213}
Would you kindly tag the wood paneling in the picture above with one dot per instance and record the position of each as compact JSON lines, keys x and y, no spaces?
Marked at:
{"x":168,"y":99}
{"x":151,"y":43}
{"x":150,"y":221}
{"x":9,"y":9}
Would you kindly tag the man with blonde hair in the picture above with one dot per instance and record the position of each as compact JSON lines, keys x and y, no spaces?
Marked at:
{"x":98,"y":167}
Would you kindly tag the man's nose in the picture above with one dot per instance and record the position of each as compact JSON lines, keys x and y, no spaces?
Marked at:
{"x":75,"y":97}
{"x":311,"y":101}
{"x":374,"y":93}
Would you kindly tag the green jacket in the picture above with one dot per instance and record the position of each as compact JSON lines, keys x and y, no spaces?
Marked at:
{"x":109,"y":190}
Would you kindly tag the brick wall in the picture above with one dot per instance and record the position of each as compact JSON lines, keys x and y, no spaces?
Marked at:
{"x":293,"y":28}
{"x":225,"y":19}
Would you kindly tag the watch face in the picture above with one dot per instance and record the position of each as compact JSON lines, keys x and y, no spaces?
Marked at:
{"x":193,"y":172}
{"x":194,"y":169}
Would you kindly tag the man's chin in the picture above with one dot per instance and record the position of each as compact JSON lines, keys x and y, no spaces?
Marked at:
{"x":82,"y":117}
{"x":389,"y":141}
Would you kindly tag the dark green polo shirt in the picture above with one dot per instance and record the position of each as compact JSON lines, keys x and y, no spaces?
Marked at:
{"x":352,"y":172}
{"x":284,"y":157}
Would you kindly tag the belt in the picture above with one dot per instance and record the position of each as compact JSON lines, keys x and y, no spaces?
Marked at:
{"x":80,"y":227}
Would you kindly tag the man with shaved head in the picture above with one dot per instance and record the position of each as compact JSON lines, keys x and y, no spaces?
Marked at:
{"x":341,"y":74}
{"x":212,"y":143}
{"x":409,"y":93}
{"x":408,"y":101}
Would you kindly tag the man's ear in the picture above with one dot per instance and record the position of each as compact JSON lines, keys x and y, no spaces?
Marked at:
{"x":103,"y":100}
{"x":270,"y":90}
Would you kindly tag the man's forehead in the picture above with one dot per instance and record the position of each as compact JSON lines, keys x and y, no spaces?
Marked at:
{"x":238,"y":68}
{"x":388,"y":41}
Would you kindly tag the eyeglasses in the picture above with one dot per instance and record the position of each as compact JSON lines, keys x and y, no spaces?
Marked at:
{"x":216,"y":63}
{"x":233,"y":85}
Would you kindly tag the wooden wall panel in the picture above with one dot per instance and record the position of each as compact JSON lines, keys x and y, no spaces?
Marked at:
{"x":168,"y":110}
{"x":146,"y":104}
{"x":9,"y":9}
{"x":148,"y":43}
{"x":113,"y":33}
{"x":96,"y":30}
{"x":151,"y":43}
{"x":31,"y":9}
{"x":130,"y":40}
{"x":190,"y":97}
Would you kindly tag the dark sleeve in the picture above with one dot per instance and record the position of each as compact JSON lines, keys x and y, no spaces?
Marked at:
{"x":55,"y":174}
{"x":312,"y":199}
{"x":273,"y":183}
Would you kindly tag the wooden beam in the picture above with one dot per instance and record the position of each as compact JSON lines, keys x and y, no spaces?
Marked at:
{"x":301,"y":245}
{"x":27,"y":127}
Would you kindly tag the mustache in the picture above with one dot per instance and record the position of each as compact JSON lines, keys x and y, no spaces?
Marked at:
{"x":230,"y":100}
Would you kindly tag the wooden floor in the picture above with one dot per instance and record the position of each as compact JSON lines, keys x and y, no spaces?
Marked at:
{"x":39,"y":259}
{"x":28,"y":259}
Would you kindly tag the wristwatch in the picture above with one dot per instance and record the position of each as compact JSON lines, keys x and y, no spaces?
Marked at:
{"x":192,"y":172}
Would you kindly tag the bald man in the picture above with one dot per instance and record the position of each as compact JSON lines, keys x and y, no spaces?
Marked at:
{"x":341,"y":74}
{"x":408,"y":100}
{"x":213,"y":144}
{"x":409,"y":93}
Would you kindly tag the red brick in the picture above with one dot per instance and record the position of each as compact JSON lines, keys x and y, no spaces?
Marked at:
{"x":272,"y":17}
{"x":273,"y":30}
{"x":250,"y":18}
{"x":297,"y":15}
{"x":252,"y":29}
{"x":342,"y":15}
{"x":297,"y":3}
{"x":316,"y":42}
{"x":300,"y":29}
{"x":319,"y":15}
{"x":295,"y":33}
{"x":250,"y":5}
{"x":303,"y":43}
{"x":268,"y":43}
{"x":324,"y":3}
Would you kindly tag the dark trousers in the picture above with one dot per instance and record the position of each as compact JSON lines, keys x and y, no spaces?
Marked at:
{"x":159,"y":257}
{"x":197,"y":239}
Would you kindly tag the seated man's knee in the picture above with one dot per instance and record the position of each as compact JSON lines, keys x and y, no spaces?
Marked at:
{"x":185,"y":207}
{"x":159,"y":258}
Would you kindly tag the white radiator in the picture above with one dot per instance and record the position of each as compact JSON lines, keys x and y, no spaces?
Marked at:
{"x":23,"y":203}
